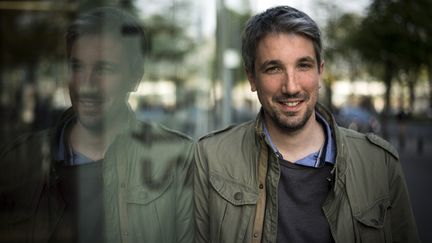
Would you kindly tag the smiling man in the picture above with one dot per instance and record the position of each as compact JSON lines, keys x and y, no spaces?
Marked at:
{"x":293,"y":175}
{"x":100,"y":175}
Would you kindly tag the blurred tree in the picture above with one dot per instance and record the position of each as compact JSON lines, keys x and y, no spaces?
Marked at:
{"x":343,"y":59}
{"x":168,"y":43}
{"x":391,"y":39}
{"x":171,"y":40}
{"x":32,"y":33}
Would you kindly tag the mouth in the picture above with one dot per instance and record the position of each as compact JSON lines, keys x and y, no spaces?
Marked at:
{"x":290,"y":103}
{"x":91,"y":105}
{"x":90,"y":102}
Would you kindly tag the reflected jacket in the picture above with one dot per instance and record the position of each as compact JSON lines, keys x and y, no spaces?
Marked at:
{"x":147,"y":186}
{"x":236,"y":185}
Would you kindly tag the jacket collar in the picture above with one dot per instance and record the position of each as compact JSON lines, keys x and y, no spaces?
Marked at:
{"x":341,"y":150}
{"x":69,"y":116}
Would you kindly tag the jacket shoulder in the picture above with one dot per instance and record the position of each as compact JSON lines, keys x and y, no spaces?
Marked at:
{"x":371,"y":139}
{"x":232,"y":130}
{"x":170,"y":132}
{"x":151,"y":132}
{"x":215,"y":133}
{"x":380,"y":142}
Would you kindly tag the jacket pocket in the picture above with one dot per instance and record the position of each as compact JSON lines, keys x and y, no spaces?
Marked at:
{"x":232,"y":207}
{"x":139,"y":194}
{"x":373,"y":222}
{"x":151,"y":213}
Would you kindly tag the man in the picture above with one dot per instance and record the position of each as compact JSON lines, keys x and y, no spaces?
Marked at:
{"x":100,"y":175}
{"x":293,"y":175}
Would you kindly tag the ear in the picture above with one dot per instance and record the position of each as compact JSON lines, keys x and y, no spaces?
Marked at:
{"x":251,"y":77}
{"x":321,"y":68}
{"x":136,"y":78}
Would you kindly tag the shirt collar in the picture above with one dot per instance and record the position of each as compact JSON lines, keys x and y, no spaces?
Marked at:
{"x":330,"y":151}
{"x":65,"y":152}
{"x":326,"y":154}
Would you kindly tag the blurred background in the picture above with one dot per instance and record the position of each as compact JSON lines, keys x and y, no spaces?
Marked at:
{"x":378,"y":73}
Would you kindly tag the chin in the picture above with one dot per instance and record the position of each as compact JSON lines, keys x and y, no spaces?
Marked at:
{"x":291,"y":122}
{"x":92,"y":123}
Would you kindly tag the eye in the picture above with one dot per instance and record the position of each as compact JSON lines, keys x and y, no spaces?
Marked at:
{"x":305,"y":66}
{"x":75,"y":66}
{"x":273,"y":69}
{"x":106,"y":69}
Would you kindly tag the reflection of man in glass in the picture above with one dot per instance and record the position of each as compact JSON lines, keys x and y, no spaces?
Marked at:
{"x":100,"y":175}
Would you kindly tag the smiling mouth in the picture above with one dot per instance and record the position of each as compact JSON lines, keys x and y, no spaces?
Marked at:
{"x":90,"y":103}
{"x":290,"y":103}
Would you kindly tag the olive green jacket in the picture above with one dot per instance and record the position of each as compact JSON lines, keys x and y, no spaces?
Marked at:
{"x":236,"y":180}
{"x":147,"y":186}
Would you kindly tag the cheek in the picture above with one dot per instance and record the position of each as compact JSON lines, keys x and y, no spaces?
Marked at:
{"x":310,"y":82}
{"x":113,"y":85}
{"x":269,"y":86}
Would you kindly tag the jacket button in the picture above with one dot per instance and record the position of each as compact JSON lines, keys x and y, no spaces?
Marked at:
{"x":261,"y":186}
{"x":255,"y":235}
{"x":238,"y":196}
{"x":375,"y":222}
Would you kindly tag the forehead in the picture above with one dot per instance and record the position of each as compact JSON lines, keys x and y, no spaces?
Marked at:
{"x":284,"y":46}
{"x":97,"y":47}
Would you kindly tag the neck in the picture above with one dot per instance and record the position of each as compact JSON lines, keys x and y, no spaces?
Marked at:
{"x":93,"y":143}
{"x":295,"y":145}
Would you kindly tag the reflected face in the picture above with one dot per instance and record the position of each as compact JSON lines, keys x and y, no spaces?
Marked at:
{"x":286,"y":79}
{"x":98,"y":79}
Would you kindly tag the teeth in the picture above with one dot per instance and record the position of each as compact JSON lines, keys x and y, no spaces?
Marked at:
{"x":292,"y":104}
{"x":90,"y":102}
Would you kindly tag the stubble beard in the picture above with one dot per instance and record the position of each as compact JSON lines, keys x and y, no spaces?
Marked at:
{"x":288,"y":122}
{"x":291,"y":121}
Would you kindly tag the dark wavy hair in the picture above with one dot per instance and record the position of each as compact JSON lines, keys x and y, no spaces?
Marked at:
{"x":281,"y":19}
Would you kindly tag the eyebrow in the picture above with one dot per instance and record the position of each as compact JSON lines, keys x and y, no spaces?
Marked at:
{"x":278,"y":62}
{"x":307,"y":59}
{"x":74,"y":60}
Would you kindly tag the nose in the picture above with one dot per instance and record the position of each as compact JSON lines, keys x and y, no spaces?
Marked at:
{"x":290,"y":83}
{"x":87,"y":78}
{"x":85,"y":81}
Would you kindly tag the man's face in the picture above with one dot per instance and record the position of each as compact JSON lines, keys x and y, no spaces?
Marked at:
{"x":287,"y":80}
{"x":98,"y":79}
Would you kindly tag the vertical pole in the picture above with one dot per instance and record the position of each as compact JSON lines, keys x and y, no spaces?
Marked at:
{"x":223,"y":72}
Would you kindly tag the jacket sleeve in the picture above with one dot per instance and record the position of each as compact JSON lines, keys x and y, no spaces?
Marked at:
{"x":201,"y":192}
{"x":402,"y":219}
{"x":184,"y":198}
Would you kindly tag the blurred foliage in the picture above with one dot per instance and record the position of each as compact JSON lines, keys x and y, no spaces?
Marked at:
{"x":28,"y":36}
{"x":169,"y":42}
{"x":392,"y":42}
{"x":395,"y":36}
{"x":167,"y":39}
{"x":342,"y":59}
